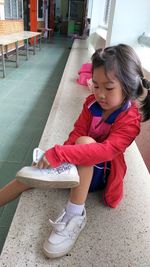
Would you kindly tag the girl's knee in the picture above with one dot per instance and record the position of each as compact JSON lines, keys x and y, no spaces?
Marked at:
{"x":85,"y":140}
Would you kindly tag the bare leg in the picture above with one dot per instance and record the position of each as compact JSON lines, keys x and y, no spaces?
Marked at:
{"x":79,"y":194}
{"x":11,"y":191}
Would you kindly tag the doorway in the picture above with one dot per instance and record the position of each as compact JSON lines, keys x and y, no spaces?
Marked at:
{"x":26,"y":15}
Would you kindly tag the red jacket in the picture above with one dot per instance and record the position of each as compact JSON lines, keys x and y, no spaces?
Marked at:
{"x":123,"y":131}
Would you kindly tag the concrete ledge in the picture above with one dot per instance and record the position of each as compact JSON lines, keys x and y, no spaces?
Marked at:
{"x":96,"y":40}
{"x":113,"y":237}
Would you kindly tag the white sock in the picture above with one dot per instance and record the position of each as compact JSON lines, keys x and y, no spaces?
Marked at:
{"x":72,"y":210}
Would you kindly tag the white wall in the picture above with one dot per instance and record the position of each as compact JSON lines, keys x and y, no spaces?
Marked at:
{"x":131,"y":19}
{"x":89,"y":8}
{"x":97,"y":14}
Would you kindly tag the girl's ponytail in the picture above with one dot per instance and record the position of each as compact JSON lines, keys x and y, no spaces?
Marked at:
{"x":145,"y":104}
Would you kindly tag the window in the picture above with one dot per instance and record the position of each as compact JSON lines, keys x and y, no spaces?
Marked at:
{"x":40,"y":9}
{"x":13,"y":9}
{"x":106,"y":12}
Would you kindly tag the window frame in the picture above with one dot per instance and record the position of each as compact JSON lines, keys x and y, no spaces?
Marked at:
{"x":106,"y":12}
{"x":40,"y":19}
{"x":10,"y":11}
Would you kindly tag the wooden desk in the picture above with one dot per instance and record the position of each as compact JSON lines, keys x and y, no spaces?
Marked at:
{"x":7,"y":39}
{"x":49,"y":31}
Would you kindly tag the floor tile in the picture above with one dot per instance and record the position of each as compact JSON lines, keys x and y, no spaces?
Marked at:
{"x":3,"y":234}
{"x":8,"y":171}
{"x":8,"y":213}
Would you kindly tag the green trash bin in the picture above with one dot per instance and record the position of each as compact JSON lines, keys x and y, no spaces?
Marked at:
{"x":71,"y":25}
{"x":77,"y":27}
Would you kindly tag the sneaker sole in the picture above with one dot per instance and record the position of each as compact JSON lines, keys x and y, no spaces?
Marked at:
{"x":53,"y":183}
{"x":56,"y":255}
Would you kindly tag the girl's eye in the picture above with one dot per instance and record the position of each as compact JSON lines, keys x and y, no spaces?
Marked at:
{"x":109,"y":89}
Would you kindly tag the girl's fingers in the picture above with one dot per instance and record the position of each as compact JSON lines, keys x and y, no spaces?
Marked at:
{"x":40,"y":164}
{"x":34,"y":164}
{"x":43,"y":163}
{"x":46,"y":163}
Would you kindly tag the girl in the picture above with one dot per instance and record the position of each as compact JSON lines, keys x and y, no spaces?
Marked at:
{"x":107,"y":125}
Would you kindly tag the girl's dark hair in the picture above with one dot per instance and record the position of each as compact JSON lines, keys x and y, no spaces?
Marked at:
{"x":126,"y":65}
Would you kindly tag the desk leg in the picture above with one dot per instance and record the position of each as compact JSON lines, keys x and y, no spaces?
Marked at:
{"x":3,"y":61}
{"x":27,"y":49}
{"x":34,"y":45}
{"x":40,"y":41}
{"x":17,"y":55}
{"x":6,"y":50}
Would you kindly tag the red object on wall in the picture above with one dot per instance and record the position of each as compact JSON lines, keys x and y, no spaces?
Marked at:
{"x":33,"y":15}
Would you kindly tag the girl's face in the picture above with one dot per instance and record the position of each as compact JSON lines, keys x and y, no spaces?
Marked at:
{"x":107,"y":90}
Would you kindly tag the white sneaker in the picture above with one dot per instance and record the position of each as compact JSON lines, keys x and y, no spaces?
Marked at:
{"x":64,"y":176}
{"x":63,"y":235}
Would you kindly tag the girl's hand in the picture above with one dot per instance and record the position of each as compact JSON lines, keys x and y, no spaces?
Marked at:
{"x":43,"y":163}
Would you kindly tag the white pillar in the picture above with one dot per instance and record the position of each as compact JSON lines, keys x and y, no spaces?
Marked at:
{"x":2,"y":13}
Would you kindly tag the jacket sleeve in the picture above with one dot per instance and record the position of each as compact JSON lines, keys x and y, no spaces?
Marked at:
{"x":120,"y":137}
{"x":81,"y":126}
{"x":113,"y":191}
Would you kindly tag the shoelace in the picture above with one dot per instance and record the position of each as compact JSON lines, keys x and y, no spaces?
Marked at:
{"x":68,"y":233}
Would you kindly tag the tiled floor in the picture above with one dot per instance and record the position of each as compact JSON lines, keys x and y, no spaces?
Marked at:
{"x":26,"y":96}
